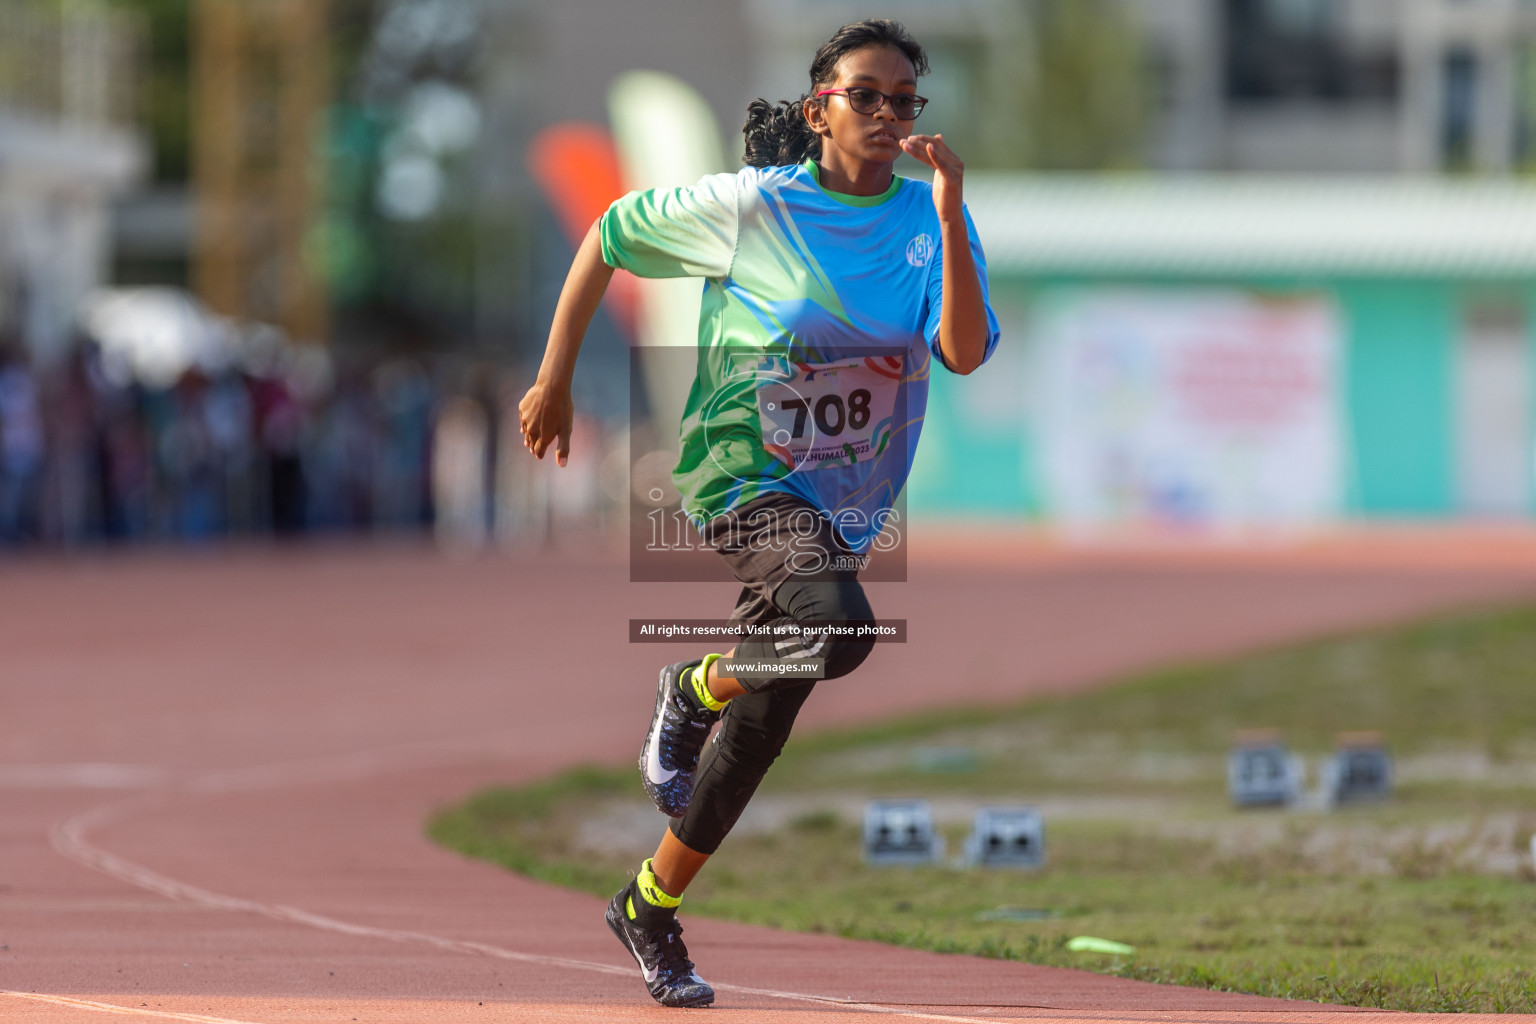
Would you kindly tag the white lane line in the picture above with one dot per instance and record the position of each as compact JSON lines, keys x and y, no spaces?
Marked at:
{"x":81,"y":776}
{"x":86,"y":1004}
{"x":69,"y":839}
{"x":844,"y":1004}
{"x":324,"y":768}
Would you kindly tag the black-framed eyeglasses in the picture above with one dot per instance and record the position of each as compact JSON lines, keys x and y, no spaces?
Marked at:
{"x":905,"y":105}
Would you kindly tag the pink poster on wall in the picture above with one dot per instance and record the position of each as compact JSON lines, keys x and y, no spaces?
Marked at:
{"x":1204,"y":408}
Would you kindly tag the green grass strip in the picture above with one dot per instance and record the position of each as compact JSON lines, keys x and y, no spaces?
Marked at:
{"x":1409,"y":905}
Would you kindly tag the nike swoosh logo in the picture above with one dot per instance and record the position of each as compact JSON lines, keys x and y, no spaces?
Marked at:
{"x":653,"y":769}
{"x":649,"y":975}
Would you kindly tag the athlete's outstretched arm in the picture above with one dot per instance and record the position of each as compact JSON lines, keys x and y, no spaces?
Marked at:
{"x":545,"y":412}
{"x":963,"y":318}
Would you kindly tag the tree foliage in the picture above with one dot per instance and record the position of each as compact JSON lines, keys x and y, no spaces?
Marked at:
{"x":1087,"y":94}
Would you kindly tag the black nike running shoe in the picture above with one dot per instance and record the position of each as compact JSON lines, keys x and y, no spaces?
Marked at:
{"x":670,"y":754}
{"x":658,"y":949}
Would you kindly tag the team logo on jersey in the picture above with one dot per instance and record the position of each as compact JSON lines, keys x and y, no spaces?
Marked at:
{"x":920,"y":251}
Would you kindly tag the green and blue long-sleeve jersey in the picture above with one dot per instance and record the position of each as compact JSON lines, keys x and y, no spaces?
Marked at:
{"x":819,"y":320}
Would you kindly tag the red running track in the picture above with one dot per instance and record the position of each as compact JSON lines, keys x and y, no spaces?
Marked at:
{"x":214,"y":769}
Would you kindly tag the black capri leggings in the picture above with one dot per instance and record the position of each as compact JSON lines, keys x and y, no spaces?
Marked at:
{"x":756,"y":725}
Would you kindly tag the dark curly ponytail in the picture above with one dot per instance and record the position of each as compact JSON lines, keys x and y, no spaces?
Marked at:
{"x":779,"y":135}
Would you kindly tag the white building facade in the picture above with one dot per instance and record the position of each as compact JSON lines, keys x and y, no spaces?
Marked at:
{"x":67,"y":150}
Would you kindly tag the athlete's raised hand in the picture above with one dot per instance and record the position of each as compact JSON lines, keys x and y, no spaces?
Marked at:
{"x":544,"y":416}
{"x":948,"y":171}
{"x":963,"y":316}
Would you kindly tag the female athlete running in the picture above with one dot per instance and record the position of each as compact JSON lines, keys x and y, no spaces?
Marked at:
{"x":829,"y":282}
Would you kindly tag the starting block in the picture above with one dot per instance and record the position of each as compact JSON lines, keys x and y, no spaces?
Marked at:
{"x":1360,"y":769}
{"x":1012,"y":837}
{"x":900,"y":832}
{"x":1261,"y":772}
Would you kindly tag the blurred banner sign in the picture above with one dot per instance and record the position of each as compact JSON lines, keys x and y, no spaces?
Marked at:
{"x":577,"y":167}
{"x":1196,"y":408}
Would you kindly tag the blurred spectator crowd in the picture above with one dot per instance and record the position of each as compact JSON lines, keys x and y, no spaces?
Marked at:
{"x":90,"y":456}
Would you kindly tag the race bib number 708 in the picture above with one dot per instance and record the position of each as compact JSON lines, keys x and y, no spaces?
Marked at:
{"x":829,"y":414}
